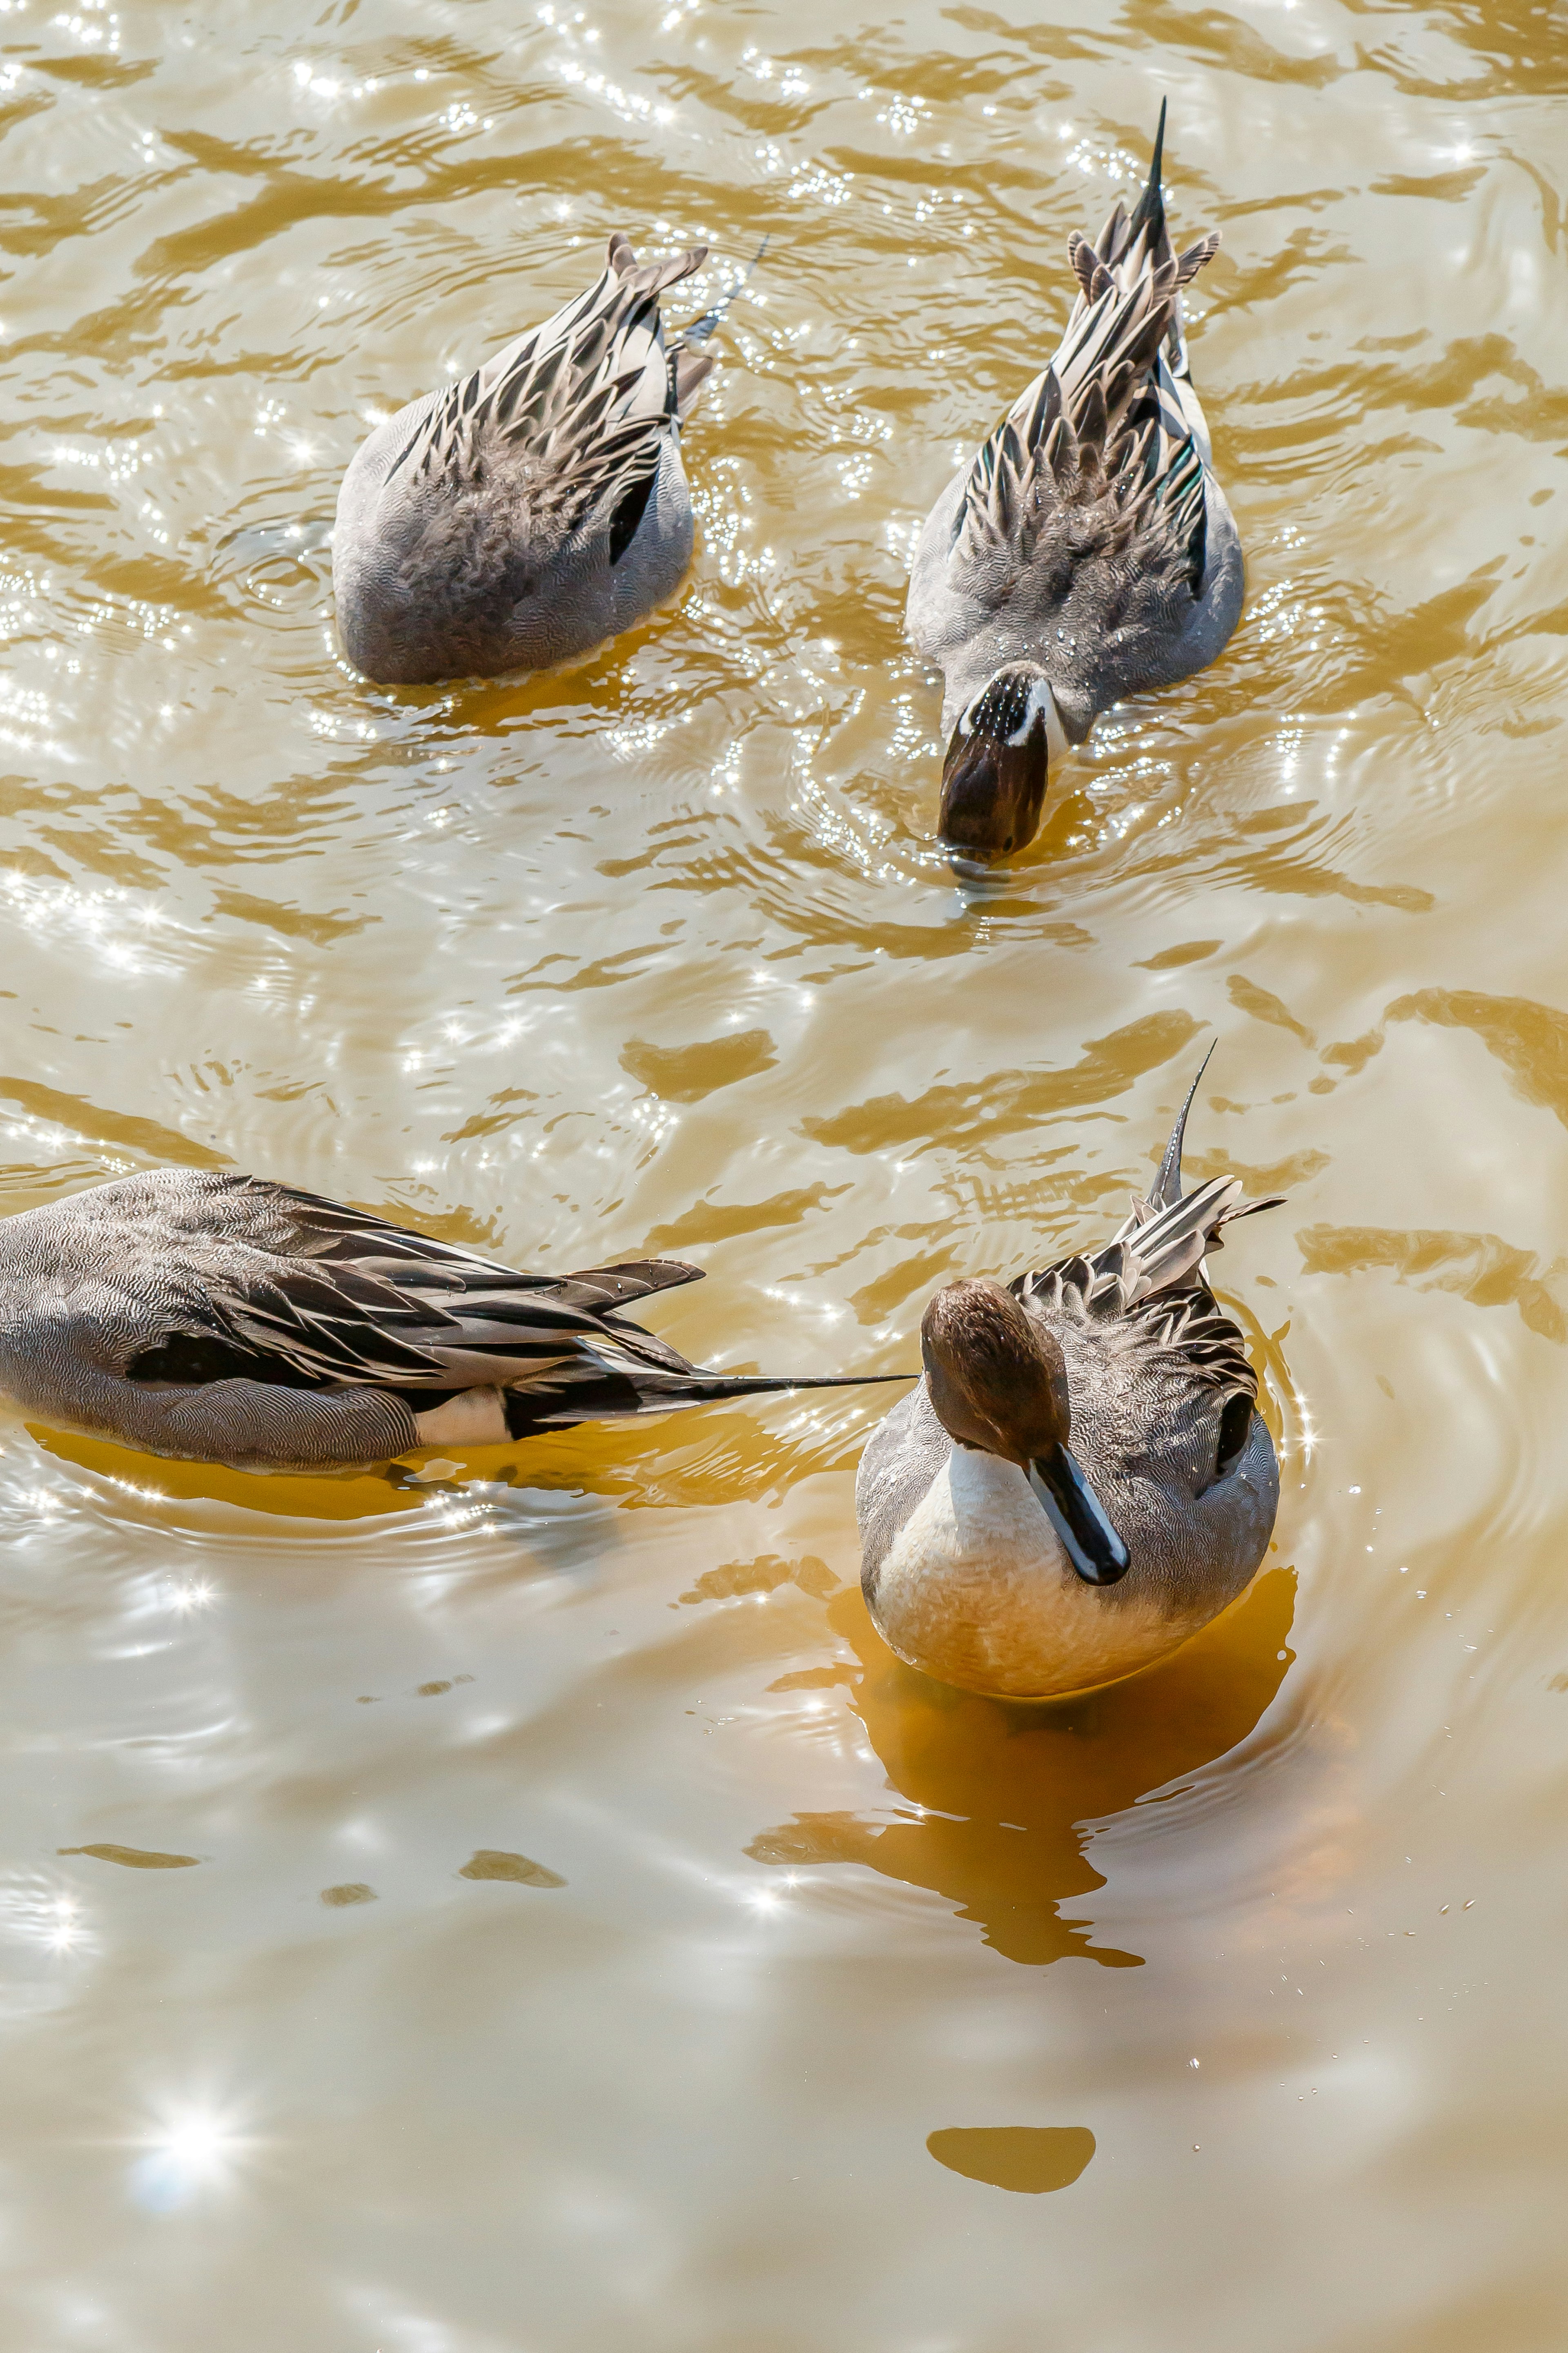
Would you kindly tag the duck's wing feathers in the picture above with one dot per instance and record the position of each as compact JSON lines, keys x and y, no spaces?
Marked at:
{"x":314,"y":1291}
{"x":1098,"y":459}
{"x":1149,"y":1283}
{"x":308,"y":1292}
{"x":1151,"y":1274}
{"x":573,"y":413}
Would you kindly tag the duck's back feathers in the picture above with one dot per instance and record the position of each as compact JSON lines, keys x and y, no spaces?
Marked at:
{"x":571,"y":411}
{"x":172,"y":1309}
{"x":1087,"y":534}
{"x":537,"y":504}
{"x":1146,"y":1291}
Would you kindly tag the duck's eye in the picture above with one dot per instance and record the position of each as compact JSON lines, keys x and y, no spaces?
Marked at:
{"x":1234,"y":1430}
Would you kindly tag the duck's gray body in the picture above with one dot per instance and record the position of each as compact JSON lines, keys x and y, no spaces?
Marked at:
{"x":540,"y":506}
{"x":962,"y":1568}
{"x":225,"y":1319}
{"x":1089,"y":536}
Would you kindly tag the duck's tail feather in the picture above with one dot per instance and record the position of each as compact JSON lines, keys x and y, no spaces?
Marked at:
{"x":1150,"y":211}
{"x":616,"y":1393}
{"x":688,"y":366}
{"x":700,"y":329}
{"x":1162,"y":1246}
{"x":1166,"y":1188}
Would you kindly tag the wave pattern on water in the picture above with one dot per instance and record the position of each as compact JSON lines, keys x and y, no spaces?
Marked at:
{"x":661,"y":953}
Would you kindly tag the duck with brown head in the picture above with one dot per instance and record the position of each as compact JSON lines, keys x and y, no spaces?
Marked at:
{"x":997,"y":769}
{"x":997,"y":1381}
{"x":1086,"y":553}
{"x":998,"y":1556}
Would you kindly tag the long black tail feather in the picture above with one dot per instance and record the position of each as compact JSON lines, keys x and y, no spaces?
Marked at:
{"x":613,"y":1395}
{"x":1166,"y":1191}
{"x":1151,"y":206}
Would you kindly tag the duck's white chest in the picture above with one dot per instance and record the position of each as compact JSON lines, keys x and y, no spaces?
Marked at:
{"x":977,"y":1589}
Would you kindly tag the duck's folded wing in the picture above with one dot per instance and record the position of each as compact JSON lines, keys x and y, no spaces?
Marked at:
{"x":319,"y":1291}
{"x":1153,"y":1275}
{"x":1098,"y":457}
{"x":307,"y":1292}
{"x":573,"y":412}
{"x":1153,"y":1254}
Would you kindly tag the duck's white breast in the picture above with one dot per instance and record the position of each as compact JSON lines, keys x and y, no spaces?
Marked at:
{"x":976,"y":1589}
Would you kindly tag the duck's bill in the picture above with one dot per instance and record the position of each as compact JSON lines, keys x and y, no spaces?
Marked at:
{"x":1078,"y":1518}
{"x":991,"y":794}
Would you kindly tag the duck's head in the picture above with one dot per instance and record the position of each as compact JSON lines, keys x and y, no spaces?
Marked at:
{"x":993,"y":779}
{"x":997,"y":1382}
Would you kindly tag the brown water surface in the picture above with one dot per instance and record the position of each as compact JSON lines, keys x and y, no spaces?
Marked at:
{"x":546,"y":1920}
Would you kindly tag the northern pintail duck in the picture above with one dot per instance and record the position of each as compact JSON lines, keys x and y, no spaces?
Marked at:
{"x":536,"y":508}
{"x":996,"y":1558}
{"x":1088,"y":552}
{"x":225,"y":1319}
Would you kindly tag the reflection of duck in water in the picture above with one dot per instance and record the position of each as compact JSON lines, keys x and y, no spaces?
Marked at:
{"x":998,"y":1800}
{"x":997,"y":1559}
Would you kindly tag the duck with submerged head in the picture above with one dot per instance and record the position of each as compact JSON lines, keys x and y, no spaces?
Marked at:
{"x":222,"y":1318}
{"x":538,"y":506}
{"x":1082,"y":1479}
{"x":1087,"y":553}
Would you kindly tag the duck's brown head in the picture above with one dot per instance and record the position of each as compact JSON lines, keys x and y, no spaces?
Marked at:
{"x":997,"y":1381}
{"x":994,"y":777}
{"x":997,"y":1377}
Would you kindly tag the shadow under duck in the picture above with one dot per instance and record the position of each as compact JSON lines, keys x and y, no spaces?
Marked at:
{"x":1088,"y":552}
{"x":997,"y":1556}
{"x":225,"y":1319}
{"x":523,"y":515}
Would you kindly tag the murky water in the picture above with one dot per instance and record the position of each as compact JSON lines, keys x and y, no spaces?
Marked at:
{"x":1220,"y":2011}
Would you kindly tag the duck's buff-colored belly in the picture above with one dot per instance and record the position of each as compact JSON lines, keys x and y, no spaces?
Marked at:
{"x":977,"y":1590}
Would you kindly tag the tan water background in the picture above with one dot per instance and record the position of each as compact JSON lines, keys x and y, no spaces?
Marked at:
{"x":1233,"y":1998}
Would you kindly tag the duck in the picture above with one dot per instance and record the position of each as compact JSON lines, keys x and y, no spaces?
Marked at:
{"x":223,"y":1318}
{"x":1086,"y":552}
{"x":1082,"y":1479}
{"x":535,"y":508}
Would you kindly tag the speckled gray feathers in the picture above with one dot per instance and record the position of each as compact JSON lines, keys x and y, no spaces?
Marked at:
{"x":533,"y":508}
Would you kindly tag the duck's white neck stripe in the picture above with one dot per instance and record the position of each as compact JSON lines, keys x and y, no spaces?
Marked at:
{"x":1056,"y":733}
{"x":1041,"y":705}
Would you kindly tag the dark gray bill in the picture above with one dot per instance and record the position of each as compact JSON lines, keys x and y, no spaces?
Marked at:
{"x":1078,"y":1516}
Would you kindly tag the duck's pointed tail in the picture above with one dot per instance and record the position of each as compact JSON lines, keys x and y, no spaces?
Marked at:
{"x":621,"y":1391}
{"x":700,"y":329}
{"x":1166,"y":1189}
{"x":1150,"y":211}
{"x":1170,"y":1233}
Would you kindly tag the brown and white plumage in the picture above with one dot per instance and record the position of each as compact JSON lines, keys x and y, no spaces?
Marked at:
{"x":535,"y":506}
{"x":1086,"y":552}
{"x":964,"y":1568}
{"x":227,"y":1319}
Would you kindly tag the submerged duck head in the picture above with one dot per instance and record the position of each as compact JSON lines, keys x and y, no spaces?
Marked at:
{"x":997,"y":1383}
{"x":997,"y":765}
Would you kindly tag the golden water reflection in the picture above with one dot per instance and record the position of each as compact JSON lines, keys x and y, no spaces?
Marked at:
{"x":1003,"y":1794}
